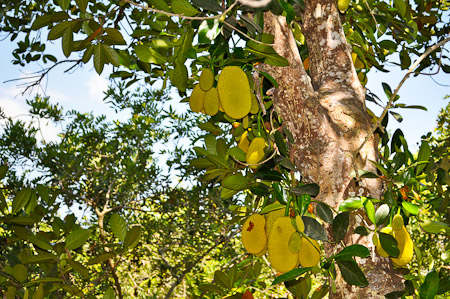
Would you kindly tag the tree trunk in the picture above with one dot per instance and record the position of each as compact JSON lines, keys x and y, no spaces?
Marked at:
{"x":325,"y":111}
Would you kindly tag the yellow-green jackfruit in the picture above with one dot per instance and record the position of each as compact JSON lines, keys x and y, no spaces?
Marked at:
{"x":271,"y":217}
{"x":309,"y":254}
{"x":234,"y":92}
{"x":406,"y":246}
{"x":206,"y":80}
{"x":244,"y":142}
{"x":280,"y":257}
{"x":211,"y":102}
{"x":197,"y":99}
{"x":253,"y":235}
{"x":255,"y":151}
{"x":376,"y":241}
{"x":255,"y":105}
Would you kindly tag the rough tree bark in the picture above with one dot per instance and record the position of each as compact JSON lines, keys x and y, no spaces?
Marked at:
{"x":326,"y":113}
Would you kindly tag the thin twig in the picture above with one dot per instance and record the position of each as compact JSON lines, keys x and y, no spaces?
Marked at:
{"x":394,"y":94}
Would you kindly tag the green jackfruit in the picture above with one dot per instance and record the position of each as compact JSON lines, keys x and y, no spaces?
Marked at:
{"x":211,"y":102}
{"x":206,"y":80}
{"x":255,"y":105}
{"x":309,"y":254}
{"x":234,"y":92}
{"x":255,"y":151}
{"x":196,"y":100}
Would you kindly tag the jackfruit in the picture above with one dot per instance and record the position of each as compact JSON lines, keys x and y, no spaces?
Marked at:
{"x":211,"y":102}
{"x":405,"y":245}
{"x":197,"y":99}
{"x":234,"y":92}
{"x":295,"y":242}
{"x":244,"y":142}
{"x":255,"y":151}
{"x":245,"y":122}
{"x":260,"y":254}
{"x":376,"y":241}
{"x":255,"y":105}
{"x":343,"y":5}
{"x":299,"y":223}
{"x":254,"y":236}
{"x":397,"y":222}
{"x":271,"y":217}
{"x":309,"y":254}
{"x":206,"y":80}
{"x":280,"y":257}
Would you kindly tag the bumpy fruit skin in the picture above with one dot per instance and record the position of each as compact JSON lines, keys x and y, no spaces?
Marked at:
{"x":309,"y":254}
{"x":406,"y":246}
{"x":271,"y":217}
{"x":255,"y":151}
{"x":206,"y":80}
{"x":253,"y":235}
{"x":343,"y":5}
{"x":397,"y":222}
{"x":196,"y":100}
{"x":234,"y":92}
{"x":211,"y":102}
{"x":376,"y":241}
{"x":280,"y":257}
{"x":299,"y":223}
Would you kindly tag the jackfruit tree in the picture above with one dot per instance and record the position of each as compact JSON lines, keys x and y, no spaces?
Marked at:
{"x":280,"y":97}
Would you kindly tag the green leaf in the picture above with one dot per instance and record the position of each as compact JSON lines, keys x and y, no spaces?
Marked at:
{"x":110,"y":55}
{"x":132,"y":237}
{"x":209,"y":287}
{"x":39,"y":258}
{"x":362,"y":230}
{"x":208,"y":5}
{"x":352,"y":274}
{"x":222,"y":279}
{"x":353,"y":250}
{"x":20,"y":272}
{"x":226,"y":193}
{"x":79,"y":268}
{"x":42,"y":21}
{"x":46,"y":280}
{"x":423,"y":155}
{"x":444,"y":285}
{"x":310,"y":189}
{"x":3,"y":170}
{"x":179,"y":77}
{"x":58,"y":31}
{"x":389,"y":244}
{"x":67,"y":41}
{"x":281,"y":144}
{"x":64,"y":4}
{"x":201,"y":163}
{"x":267,"y":52}
{"x":314,"y":229}
{"x":43,"y":193}
{"x":113,"y":37}
{"x":429,"y":288}
{"x":149,"y":55}
{"x":22,"y":220}
{"x":211,"y":127}
{"x":290,"y":13}
{"x":109,"y":294}
{"x":370,"y":210}
{"x":290,"y":275}
{"x":20,"y":200}
{"x":185,"y":45}
{"x":381,"y":214}
{"x":82,"y":5}
{"x":118,"y":226}
{"x":208,"y":31}
{"x":401,"y":6}
{"x":237,"y":153}
{"x":268,"y":175}
{"x":410,"y":207}
{"x":183,"y":7}
{"x":77,"y":238}
{"x":435,"y":227}
{"x":160,"y":4}
{"x":101,"y":258}
{"x":272,"y":207}
{"x":99,"y":59}
{"x":235,"y":182}
{"x":40,"y":242}
{"x":218,"y":161}
{"x":340,"y":226}
{"x":350,"y":204}
{"x":324,"y":212}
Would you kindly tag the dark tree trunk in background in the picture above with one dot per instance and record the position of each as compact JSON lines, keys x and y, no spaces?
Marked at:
{"x":325,"y":111}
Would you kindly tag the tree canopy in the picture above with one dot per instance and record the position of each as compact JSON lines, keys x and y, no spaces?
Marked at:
{"x":277,"y":125}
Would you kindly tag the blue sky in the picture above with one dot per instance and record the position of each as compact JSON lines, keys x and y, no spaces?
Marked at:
{"x":82,"y":89}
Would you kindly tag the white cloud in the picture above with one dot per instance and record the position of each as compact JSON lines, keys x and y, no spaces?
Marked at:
{"x":97,"y":85}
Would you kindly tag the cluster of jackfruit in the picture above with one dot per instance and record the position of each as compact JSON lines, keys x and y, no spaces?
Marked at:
{"x":232,"y":95}
{"x":404,"y":242}
{"x":286,"y":245}
{"x":254,"y":150}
